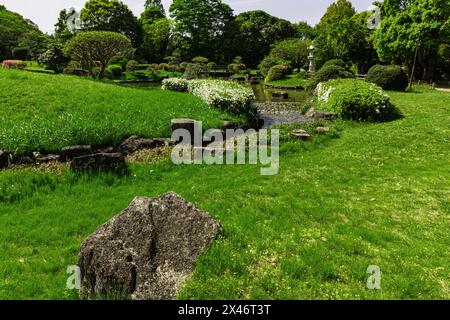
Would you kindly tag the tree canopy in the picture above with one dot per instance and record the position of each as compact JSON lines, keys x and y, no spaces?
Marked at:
{"x":95,"y":48}
{"x":111,"y":15}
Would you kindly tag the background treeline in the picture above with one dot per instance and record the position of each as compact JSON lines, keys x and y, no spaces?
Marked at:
{"x":410,"y":30}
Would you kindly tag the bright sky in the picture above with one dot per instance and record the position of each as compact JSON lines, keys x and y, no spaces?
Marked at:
{"x":45,"y":12}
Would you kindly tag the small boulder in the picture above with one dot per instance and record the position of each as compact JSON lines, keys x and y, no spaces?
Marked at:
{"x":4,"y":158}
{"x":147,"y":251}
{"x":281,"y":95}
{"x":322,"y":130}
{"x":48,"y":158}
{"x":319,"y":115}
{"x":135,"y":143}
{"x":114,"y":162}
{"x":68,"y":153}
{"x":301,"y":135}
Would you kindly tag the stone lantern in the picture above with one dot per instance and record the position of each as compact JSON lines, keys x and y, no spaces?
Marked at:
{"x":311,"y":59}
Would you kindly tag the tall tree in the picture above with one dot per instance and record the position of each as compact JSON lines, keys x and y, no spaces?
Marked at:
{"x":95,"y":49}
{"x":337,"y":11}
{"x":200,"y":24}
{"x":408,"y":27}
{"x":257,"y":32}
{"x":62,"y":32}
{"x":154,"y":3}
{"x":111,"y":15}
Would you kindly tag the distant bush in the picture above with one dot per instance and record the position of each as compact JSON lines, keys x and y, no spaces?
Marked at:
{"x":335,"y":62}
{"x":355,"y":100}
{"x":269,"y":62}
{"x":328,"y":73}
{"x":75,"y":72}
{"x":21,"y":53}
{"x":195,"y":71}
{"x":201,"y":60}
{"x":279,"y":72}
{"x":14,"y":64}
{"x":225,"y":95}
{"x":119,"y":60}
{"x":115,"y":70}
{"x":388,"y":77}
{"x":175,"y":84}
{"x":132,"y":65}
{"x":163,"y":66}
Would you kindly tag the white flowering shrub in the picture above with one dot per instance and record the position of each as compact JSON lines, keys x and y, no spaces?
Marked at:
{"x":355,"y":100}
{"x":226,"y":95}
{"x":175,"y":84}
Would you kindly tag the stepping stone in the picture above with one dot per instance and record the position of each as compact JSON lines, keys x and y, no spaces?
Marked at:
{"x":282,"y":95}
{"x":301,"y":135}
{"x":322,"y":130}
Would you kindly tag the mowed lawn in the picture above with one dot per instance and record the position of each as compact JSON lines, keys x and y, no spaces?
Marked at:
{"x":44,"y":113}
{"x":378,"y":195}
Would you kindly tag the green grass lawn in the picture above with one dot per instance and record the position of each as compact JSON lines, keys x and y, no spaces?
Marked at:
{"x":378,"y":195}
{"x":289,"y":82}
{"x":40,"y":112}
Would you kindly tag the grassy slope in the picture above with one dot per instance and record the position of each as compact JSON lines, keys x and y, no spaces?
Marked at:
{"x":378,"y":195}
{"x":46,"y":112}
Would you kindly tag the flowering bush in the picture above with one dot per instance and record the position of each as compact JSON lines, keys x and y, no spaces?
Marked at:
{"x":16,"y":64}
{"x":226,"y":95}
{"x":175,"y":84}
{"x":355,"y":100}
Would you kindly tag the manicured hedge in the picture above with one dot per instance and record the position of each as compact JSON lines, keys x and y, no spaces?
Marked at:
{"x":388,"y":77}
{"x":335,"y":62}
{"x":355,"y":100}
{"x":279,"y":72}
{"x":327,"y":73}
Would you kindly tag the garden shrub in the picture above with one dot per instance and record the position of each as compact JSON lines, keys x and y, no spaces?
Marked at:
{"x":195,"y":71}
{"x":163,"y":66}
{"x":132,"y":65}
{"x":120,"y":60}
{"x":279,"y":72}
{"x":388,"y":77}
{"x":335,"y":62}
{"x":175,"y":84}
{"x":355,"y":100}
{"x":201,"y":60}
{"x":115,"y":70}
{"x":328,"y":73}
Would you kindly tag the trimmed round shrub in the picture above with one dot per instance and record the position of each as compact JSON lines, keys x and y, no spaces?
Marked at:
{"x":201,"y":60}
{"x":355,"y":100}
{"x":132,"y":65}
{"x":388,"y":77}
{"x":120,"y":60}
{"x":279,"y":72}
{"x":115,"y":70}
{"x":328,"y":73}
{"x":335,"y":62}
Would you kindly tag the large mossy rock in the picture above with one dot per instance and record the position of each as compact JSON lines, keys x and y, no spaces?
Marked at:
{"x":147,"y":251}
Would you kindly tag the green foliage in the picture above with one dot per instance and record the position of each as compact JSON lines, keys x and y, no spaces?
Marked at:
{"x":335,"y":62}
{"x":200,"y":60}
{"x":156,"y":40}
{"x":305,"y":31}
{"x":336,"y":12}
{"x":75,"y":72}
{"x":95,"y":48}
{"x":13,"y":30}
{"x":200,"y":24}
{"x":257,"y":31}
{"x":195,"y":71}
{"x":120,"y":60}
{"x":279,"y":72}
{"x":411,"y":25}
{"x":115,"y":70}
{"x":60,"y":111}
{"x":21,"y":53}
{"x":132,"y":65}
{"x":295,"y":52}
{"x":388,"y":77}
{"x":62,"y":32}
{"x":111,"y":15}
{"x":327,"y":73}
{"x":54,"y":57}
{"x":355,"y":100}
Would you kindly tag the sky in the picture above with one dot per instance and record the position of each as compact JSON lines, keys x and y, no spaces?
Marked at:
{"x":45,"y":12}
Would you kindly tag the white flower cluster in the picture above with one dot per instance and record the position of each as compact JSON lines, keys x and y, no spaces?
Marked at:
{"x":175,"y":84}
{"x":324,"y":91}
{"x":222,"y":94}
